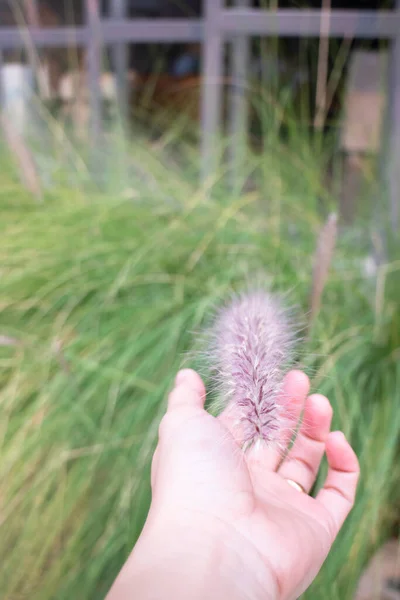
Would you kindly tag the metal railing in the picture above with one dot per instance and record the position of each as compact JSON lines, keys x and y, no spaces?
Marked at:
{"x":219,"y":25}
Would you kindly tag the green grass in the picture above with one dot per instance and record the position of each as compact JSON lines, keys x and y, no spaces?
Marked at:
{"x":103,"y":293}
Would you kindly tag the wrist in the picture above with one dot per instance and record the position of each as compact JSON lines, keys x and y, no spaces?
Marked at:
{"x":194,"y":559}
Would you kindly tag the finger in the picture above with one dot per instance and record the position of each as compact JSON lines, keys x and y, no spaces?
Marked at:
{"x":190,"y":378}
{"x":338,"y":494}
{"x":154,"y":468}
{"x":304,"y":459}
{"x":262,"y":457}
{"x":185,"y":400}
{"x":189,"y":391}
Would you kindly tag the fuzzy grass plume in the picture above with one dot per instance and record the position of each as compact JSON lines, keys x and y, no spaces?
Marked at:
{"x":252,"y":342}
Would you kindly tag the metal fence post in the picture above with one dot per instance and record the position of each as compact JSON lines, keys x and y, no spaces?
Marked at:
{"x":93,"y":47}
{"x":120,"y":60}
{"x":1,"y":82}
{"x":238,"y":105}
{"x":393,"y":158}
{"x":211,"y":106}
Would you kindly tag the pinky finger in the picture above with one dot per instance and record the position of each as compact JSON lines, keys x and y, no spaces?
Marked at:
{"x":338,"y":494}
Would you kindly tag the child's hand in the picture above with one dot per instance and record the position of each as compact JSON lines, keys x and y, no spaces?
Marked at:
{"x":224,"y":524}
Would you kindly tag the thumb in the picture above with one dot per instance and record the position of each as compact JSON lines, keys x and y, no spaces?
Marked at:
{"x":188,"y":394}
{"x":189,"y":391}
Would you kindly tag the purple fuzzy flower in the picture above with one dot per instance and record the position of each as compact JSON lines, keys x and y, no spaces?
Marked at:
{"x":252,"y":343}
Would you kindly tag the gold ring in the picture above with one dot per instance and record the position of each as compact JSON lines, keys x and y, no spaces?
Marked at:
{"x":296,"y":486}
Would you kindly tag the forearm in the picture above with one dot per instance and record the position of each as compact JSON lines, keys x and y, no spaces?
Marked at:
{"x":191,"y":565}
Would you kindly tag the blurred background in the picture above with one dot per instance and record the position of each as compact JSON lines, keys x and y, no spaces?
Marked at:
{"x":156,"y":155}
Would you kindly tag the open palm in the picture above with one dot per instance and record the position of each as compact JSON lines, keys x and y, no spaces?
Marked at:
{"x":201,"y":471}
{"x":234,"y":519}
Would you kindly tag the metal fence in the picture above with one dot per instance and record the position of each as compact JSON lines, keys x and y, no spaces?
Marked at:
{"x":218,"y":26}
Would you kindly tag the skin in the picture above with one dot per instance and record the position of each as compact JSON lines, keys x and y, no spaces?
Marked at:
{"x":226,"y":524}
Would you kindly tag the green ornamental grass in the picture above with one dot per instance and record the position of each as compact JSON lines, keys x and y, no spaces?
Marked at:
{"x":102,"y":297}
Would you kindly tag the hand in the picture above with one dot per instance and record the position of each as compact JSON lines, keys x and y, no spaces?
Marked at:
{"x":227,"y":524}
